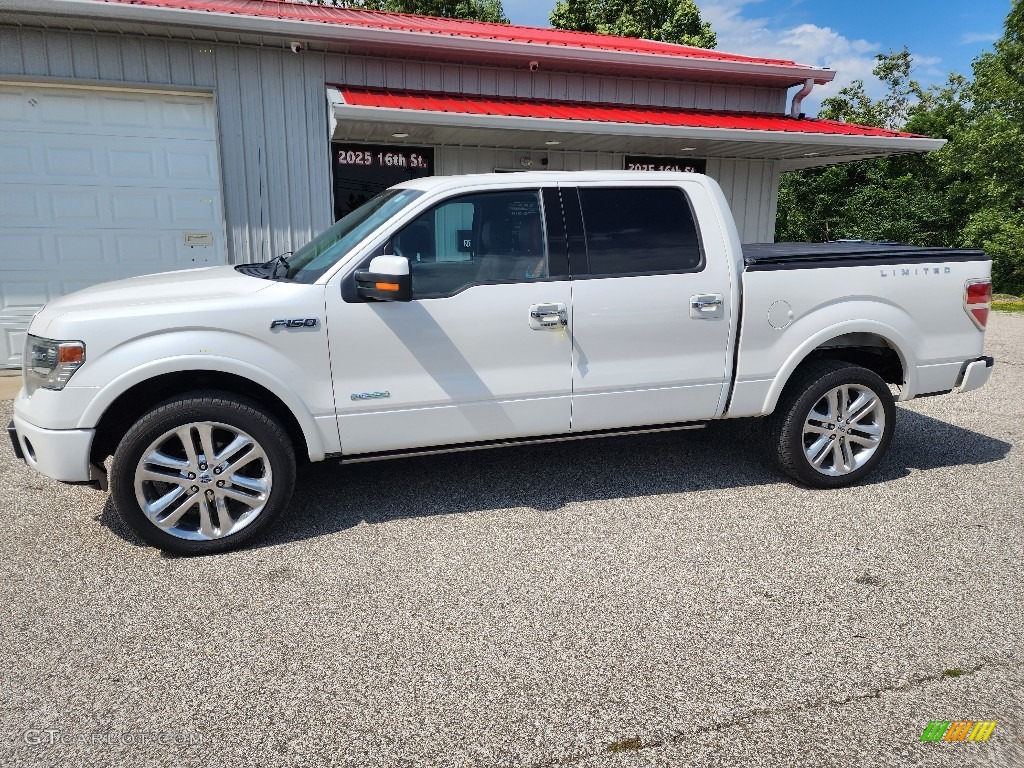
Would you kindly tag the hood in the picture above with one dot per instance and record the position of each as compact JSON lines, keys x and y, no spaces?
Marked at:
{"x":201,"y":285}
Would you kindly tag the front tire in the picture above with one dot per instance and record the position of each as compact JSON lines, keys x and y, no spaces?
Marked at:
{"x":203,"y":473}
{"x":833,"y":424}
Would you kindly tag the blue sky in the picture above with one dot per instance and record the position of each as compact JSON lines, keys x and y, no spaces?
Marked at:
{"x":943,"y":35}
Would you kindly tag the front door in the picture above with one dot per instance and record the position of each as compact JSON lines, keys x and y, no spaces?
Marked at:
{"x":482,"y":352}
{"x":651,"y":306}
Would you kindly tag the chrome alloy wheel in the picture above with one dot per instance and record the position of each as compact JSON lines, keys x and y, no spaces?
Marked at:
{"x":203,"y":481}
{"x":843,"y":430}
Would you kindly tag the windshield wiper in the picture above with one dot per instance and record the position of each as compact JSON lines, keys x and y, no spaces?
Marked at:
{"x":280,"y":261}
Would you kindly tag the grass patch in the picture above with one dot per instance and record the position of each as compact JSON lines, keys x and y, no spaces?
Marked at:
{"x":1008,"y":306}
{"x":955,"y":672}
{"x":632,"y":744}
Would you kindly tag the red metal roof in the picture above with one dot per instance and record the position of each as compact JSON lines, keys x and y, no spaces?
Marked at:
{"x":603,"y":113}
{"x":404,"y":22}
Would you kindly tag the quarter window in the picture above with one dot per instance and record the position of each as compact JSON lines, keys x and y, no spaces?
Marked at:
{"x":634,"y":230}
{"x":491,"y":237}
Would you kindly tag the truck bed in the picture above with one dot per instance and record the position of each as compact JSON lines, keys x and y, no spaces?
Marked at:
{"x":760,"y":257}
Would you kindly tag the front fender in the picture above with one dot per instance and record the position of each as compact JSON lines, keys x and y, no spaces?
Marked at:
{"x":130,"y":364}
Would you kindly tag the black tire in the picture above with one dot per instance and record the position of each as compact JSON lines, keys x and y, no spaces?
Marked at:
{"x":248,"y":493}
{"x":807,"y":390}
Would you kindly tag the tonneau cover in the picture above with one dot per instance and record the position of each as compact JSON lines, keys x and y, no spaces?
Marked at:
{"x":848,"y":253}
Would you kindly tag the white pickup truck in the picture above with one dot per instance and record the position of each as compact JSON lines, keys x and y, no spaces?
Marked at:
{"x":478,"y":311}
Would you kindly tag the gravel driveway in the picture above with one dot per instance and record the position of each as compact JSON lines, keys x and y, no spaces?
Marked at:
{"x":657,"y":600}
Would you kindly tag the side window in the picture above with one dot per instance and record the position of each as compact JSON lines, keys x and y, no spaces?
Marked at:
{"x":639,"y":229}
{"x":486,"y":237}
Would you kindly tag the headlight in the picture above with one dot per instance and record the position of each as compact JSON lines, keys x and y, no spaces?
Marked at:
{"x":49,"y":364}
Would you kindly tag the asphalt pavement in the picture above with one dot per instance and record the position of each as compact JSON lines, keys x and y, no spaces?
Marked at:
{"x":658,"y":600}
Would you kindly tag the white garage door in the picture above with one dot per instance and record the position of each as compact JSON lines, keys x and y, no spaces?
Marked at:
{"x":97,"y":185}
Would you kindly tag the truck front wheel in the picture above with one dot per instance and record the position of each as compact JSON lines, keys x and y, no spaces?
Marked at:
{"x":202,"y":474}
{"x":833,"y":424}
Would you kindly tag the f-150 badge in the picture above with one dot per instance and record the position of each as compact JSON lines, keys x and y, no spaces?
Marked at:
{"x":306,"y":322}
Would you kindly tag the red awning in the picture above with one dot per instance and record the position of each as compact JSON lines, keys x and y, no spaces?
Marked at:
{"x":419,"y":101}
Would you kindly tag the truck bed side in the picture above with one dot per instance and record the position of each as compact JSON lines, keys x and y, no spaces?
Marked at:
{"x":897,"y":309}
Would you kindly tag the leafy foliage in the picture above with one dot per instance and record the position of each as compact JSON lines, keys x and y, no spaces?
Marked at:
{"x":968,"y":194}
{"x":476,"y":10}
{"x":669,"y":21}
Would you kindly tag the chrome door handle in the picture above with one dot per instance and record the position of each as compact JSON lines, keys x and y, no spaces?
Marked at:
{"x":548,"y":317}
{"x":706,"y":306}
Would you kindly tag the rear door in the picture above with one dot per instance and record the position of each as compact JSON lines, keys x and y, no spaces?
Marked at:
{"x":650,"y":308}
{"x":482,"y":352}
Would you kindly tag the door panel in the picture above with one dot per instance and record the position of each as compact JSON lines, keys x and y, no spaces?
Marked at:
{"x":647,"y":348}
{"x":638,"y":356}
{"x":458,"y":369}
{"x":481,"y":353}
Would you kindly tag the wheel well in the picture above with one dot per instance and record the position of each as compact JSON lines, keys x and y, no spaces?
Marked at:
{"x":130,"y":406}
{"x":867,"y":350}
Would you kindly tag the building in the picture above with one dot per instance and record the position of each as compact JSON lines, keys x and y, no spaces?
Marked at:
{"x":147,"y":135}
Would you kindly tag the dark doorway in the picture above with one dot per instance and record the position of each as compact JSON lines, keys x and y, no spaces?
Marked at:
{"x":364,"y":170}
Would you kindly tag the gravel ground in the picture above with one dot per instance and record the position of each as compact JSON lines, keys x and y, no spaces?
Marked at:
{"x":639,"y":601}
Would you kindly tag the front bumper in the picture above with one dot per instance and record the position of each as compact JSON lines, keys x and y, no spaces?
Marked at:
{"x":976,"y":374}
{"x":62,"y":454}
{"x":12,"y":432}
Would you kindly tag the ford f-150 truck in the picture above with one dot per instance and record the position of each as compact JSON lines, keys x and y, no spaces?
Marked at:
{"x":478,"y":311}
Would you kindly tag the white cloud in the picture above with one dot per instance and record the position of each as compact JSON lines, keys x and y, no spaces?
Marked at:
{"x":973,"y":38}
{"x":811,"y":44}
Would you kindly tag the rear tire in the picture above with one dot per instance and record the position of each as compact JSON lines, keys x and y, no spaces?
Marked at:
{"x":832,"y":425}
{"x":203,"y":473}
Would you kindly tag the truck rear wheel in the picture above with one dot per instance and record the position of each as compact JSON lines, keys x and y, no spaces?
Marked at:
{"x":203,"y":473}
{"x":833,"y":424}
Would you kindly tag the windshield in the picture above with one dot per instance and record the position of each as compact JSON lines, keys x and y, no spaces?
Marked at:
{"x":327,"y":249}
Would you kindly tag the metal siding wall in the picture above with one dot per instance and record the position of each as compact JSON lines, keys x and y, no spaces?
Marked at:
{"x":272,"y":120}
{"x":752,"y":189}
{"x":772,"y":202}
{"x":277,"y":193}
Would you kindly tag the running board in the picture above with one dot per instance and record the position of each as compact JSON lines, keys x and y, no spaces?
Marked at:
{"x":359,"y":458}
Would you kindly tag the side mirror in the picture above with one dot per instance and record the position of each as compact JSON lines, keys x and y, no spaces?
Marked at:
{"x":387,"y":279}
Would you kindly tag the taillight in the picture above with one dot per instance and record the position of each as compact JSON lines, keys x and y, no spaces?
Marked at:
{"x":977,"y":299}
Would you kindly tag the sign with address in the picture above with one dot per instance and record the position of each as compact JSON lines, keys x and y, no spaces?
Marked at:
{"x":364,"y":170}
{"x":677,"y":164}
{"x":384,"y":157}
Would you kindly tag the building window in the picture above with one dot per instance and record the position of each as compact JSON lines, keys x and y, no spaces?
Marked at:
{"x":363,"y":171}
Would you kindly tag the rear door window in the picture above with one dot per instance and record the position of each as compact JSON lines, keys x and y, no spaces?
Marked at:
{"x":639,"y":230}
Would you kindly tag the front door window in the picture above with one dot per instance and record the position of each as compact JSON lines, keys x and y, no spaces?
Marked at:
{"x":491,"y":237}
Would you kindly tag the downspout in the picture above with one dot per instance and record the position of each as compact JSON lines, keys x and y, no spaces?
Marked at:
{"x":798,"y":98}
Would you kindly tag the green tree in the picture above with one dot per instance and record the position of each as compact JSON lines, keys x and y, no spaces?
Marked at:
{"x":476,"y":10}
{"x":993,"y":142}
{"x":903,"y":198}
{"x":968,"y":194}
{"x":669,"y":21}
